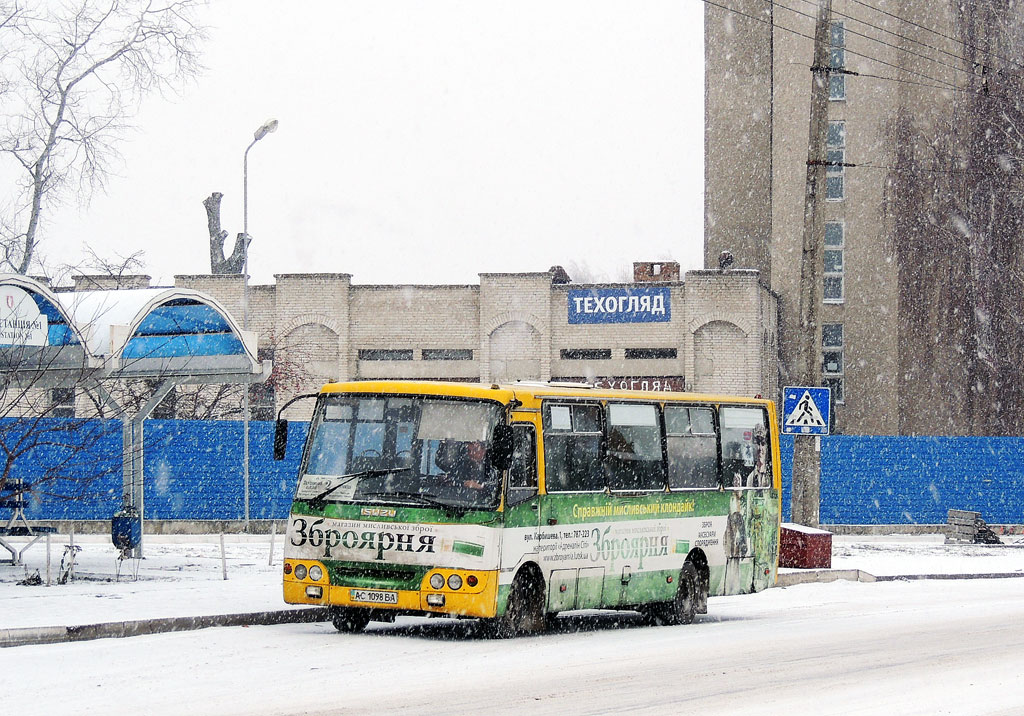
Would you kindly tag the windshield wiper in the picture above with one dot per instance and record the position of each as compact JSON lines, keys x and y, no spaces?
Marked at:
{"x":422,"y":498}
{"x":318,"y":501}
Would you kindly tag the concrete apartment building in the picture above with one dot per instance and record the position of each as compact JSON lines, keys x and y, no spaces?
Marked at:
{"x":892,"y":340}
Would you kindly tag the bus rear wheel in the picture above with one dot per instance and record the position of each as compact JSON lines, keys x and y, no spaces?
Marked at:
{"x":524,"y":613}
{"x":349,"y":621}
{"x":683,"y":607}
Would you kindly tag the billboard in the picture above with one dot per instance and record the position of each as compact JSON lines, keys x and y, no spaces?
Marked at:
{"x":636,"y":304}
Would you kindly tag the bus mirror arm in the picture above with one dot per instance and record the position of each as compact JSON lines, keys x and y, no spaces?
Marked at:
{"x":281,"y":427}
{"x":501,"y":447}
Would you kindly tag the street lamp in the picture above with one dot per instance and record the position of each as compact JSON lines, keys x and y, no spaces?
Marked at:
{"x":266,"y":128}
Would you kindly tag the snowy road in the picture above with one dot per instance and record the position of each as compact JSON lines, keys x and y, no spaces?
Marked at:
{"x":925,"y":647}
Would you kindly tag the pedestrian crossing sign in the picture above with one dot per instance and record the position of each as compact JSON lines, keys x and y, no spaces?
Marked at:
{"x":806,"y":410}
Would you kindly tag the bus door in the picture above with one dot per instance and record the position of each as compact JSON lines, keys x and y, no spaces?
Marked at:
{"x":522,"y":505}
{"x":747,"y":478}
{"x":573,"y":479}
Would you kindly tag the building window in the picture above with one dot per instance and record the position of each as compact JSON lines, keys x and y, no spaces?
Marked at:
{"x":834,"y":237}
{"x":837,"y":61}
{"x":263,"y":396}
{"x":832,"y":359}
{"x":648,"y":353}
{"x":586,"y":353}
{"x":835,"y":155}
{"x":446,"y":354}
{"x":62,"y":403}
{"x":385,"y":354}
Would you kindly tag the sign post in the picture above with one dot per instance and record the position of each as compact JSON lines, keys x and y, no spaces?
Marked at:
{"x":806,"y":414}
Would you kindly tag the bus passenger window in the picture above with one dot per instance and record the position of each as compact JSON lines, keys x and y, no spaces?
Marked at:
{"x":572,"y":445}
{"x":522,"y":479}
{"x":746,"y":461}
{"x":692,"y":447}
{"x":633,"y":459}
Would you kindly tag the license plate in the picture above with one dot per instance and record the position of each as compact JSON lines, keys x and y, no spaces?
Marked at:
{"x":373,"y":596}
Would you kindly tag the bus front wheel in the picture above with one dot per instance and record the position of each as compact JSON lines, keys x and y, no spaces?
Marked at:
{"x":349,"y":621}
{"x":524,"y":613}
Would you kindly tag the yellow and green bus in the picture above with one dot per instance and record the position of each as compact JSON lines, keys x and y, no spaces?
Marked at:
{"x":512,"y":503}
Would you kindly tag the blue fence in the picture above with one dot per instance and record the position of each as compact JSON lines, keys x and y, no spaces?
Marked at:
{"x":887,"y":480}
{"x":194,"y":472}
{"x":193,"y":469}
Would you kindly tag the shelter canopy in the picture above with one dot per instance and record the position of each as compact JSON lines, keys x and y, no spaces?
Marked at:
{"x":53,"y":339}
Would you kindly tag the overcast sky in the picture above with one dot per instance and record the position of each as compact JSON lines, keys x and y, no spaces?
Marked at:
{"x":420,"y":142}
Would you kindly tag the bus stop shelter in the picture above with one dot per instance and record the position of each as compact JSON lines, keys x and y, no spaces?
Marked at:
{"x":92,"y":339}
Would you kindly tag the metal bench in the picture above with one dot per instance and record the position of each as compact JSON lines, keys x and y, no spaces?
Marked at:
{"x":17,"y":525}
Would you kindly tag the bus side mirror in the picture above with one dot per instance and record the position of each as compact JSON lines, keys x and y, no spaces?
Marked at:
{"x":501,"y":447}
{"x":280,"y":439}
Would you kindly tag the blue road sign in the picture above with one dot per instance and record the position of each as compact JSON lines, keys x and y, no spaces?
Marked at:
{"x":806,"y":410}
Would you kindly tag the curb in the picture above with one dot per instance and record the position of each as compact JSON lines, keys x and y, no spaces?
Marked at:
{"x":790,"y":579}
{"x":980,"y":575}
{"x":116,"y":630}
{"x":28,"y":636}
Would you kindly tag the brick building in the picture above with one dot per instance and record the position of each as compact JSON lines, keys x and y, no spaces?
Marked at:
{"x":713,"y":331}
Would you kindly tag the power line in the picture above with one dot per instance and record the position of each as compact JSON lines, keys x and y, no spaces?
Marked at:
{"x":772,"y":23}
{"x":883,"y":42}
{"x":968,"y":90}
{"x":930,"y":170}
{"x":936,"y":32}
{"x":935,"y":48}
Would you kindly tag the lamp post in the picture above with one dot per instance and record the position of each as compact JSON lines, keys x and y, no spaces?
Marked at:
{"x":266,"y":128}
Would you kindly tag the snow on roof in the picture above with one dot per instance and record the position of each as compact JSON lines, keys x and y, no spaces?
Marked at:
{"x":107,"y":321}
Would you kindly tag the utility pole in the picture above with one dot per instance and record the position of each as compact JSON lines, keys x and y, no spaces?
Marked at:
{"x":806,"y":455}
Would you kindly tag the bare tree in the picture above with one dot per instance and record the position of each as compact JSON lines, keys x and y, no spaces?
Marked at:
{"x":957,"y":200}
{"x":289,"y":376}
{"x":76,"y":72}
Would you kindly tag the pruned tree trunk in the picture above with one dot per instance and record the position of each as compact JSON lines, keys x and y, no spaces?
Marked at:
{"x":234,"y":263}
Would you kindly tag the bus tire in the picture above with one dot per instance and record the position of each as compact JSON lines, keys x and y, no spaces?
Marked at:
{"x":524,"y":613}
{"x":349,"y":621}
{"x":683,"y":606}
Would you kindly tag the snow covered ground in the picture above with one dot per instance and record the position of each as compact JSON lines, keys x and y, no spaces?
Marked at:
{"x":902,"y":647}
{"x":182,"y":575}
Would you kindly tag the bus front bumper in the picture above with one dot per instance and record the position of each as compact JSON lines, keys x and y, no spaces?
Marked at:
{"x":479,"y":600}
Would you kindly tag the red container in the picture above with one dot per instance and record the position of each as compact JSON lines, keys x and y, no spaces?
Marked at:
{"x":804,"y":547}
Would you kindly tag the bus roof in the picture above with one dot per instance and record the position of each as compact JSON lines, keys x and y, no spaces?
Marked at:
{"x":527,"y":392}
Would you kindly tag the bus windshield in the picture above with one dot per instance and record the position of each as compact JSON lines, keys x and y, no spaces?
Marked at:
{"x":401,"y":450}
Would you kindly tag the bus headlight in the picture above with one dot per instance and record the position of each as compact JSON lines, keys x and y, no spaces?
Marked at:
{"x":300,"y":571}
{"x":454,"y":582}
{"x":315,"y":573}
{"x":437,"y":580}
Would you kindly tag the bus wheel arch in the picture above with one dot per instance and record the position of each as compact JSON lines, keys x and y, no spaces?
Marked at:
{"x":525,"y":606}
{"x":700,"y":563}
